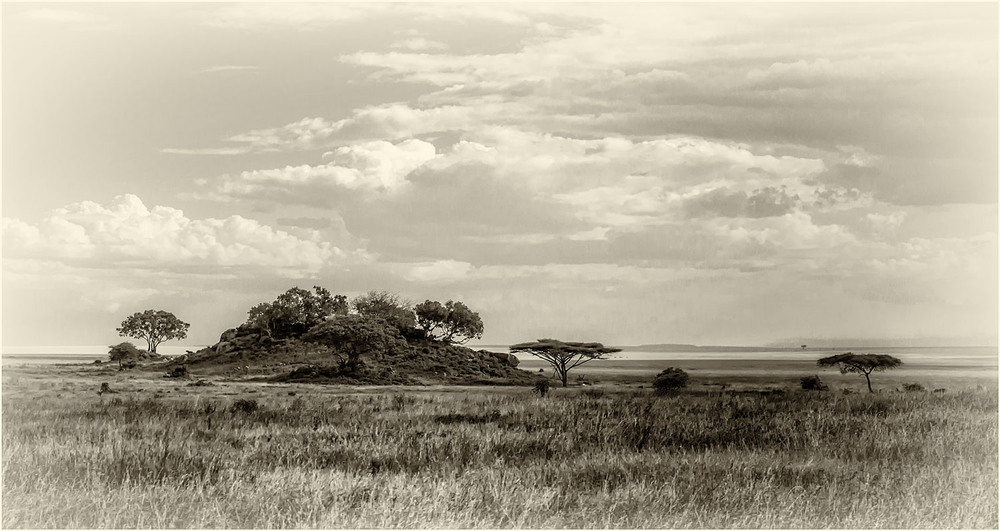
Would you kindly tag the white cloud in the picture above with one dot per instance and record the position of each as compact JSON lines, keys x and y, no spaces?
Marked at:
{"x":126,"y":232}
{"x":418,"y":44}
{"x":385,"y":122}
{"x":373,"y":167}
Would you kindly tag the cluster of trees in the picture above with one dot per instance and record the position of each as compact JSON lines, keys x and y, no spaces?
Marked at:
{"x":451,"y":322}
{"x":297,"y":311}
{"x":375,"y":323}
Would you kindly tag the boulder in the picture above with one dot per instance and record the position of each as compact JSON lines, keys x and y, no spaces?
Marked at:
{"x":223,"y":347}
{"x":228,"y":336}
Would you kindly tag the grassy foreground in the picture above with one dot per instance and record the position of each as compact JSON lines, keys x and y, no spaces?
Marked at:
{"x":250,"y":457}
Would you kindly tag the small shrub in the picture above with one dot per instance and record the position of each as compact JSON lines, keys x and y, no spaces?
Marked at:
{"x":913,"y":387}
{"x":670,"y":379}
{"x":542,"y":387}
{"x":105,"y":388}
{"x":178,"y":372}
{"x":245,"y":405}
{"x":813,"y":383}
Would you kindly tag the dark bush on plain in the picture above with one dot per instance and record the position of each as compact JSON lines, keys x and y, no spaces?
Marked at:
{"x":542,"y":387}
{"x":813,"y":383}
{"x":178,"y":372}
{"x":670,"y":379}
{"x":913,"y":387}
{"x":245,"y":405}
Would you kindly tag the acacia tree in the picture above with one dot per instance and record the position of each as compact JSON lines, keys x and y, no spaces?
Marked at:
{"x":296,"y":311}
{"x":860,"y":363}
{"x":154,"y":326}
{"x":564,"y":355}
{"x":353,"y":336}
{"x":452,"y":322}
{"x":123,"y":352}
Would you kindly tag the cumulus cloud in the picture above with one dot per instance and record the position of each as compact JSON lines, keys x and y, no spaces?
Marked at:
{"x":126,"y":232}
{"x":369,"y":168}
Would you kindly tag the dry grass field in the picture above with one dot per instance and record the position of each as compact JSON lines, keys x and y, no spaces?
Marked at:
{"x":242,"y":454}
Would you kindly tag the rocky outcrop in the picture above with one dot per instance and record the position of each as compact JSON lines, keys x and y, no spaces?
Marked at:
{"x":246,"y":351}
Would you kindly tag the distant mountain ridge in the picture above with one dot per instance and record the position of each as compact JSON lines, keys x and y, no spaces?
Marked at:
{"x":681,"y":347}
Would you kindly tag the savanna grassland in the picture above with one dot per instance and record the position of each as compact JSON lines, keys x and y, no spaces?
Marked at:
{"x":240,"y":454}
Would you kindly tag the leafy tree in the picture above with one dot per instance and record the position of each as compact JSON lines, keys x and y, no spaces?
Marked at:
{"x":452,"y":322}
{"x":295,"y":311}
{"x":562,"y":355}
{"x":387,"y":306}
{"x":123,"y":352}
{"x":860,"y":363}
{"x":352,"y":336}
{"x":155,"y":326}
{"x":669,"y":379}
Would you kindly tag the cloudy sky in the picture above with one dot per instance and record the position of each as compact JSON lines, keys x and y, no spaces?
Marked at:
{"x":625,"y":173}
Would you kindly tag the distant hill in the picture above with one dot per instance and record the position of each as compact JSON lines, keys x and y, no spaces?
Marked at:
{"x":681,"y":347}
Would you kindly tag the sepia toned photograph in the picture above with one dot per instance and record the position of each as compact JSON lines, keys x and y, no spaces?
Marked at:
{"x":474,"y":265}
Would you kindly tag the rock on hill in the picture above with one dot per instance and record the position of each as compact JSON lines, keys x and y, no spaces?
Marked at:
{"x":246,"y":352}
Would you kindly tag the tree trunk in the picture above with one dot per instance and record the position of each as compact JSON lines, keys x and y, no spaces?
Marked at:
{"x":563,"y":373}
{"x":869,"y":380}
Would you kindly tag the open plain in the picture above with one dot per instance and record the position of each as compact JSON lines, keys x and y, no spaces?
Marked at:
{"x":605,"y":452}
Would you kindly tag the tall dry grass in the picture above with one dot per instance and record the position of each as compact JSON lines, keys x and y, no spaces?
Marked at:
{"x":496,"y":458}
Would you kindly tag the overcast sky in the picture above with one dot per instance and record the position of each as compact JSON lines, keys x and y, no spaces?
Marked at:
{"x":624,"y":173}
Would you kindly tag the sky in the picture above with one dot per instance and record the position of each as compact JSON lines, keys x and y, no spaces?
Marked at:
{"x":716,"y":174}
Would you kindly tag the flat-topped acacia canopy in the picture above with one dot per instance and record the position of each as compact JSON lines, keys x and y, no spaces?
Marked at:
{"x":564,"y":355}
{"x":860,"y":363}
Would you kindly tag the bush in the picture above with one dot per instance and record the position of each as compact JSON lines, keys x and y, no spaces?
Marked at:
{"x":245,"y":405}
{"x":669,"y":379}
{"x":913,"y":387}
{"x":178,"y":372}
{"x":813,"y":383}
{"x":542,"y":387}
